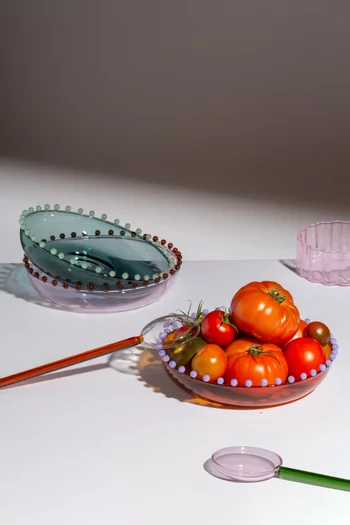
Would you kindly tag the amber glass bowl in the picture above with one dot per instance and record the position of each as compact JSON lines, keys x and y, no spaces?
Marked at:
{"x":253,"y":397}
{"x":222,"y":393}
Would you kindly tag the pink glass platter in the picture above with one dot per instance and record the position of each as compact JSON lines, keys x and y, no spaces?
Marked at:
{"x":112,"y":301}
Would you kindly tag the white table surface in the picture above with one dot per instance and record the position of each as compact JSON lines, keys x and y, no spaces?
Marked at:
{"x":100,"y":448}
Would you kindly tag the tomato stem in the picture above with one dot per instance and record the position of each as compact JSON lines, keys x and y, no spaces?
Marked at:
{"x":199,"y":314}
{"x":257,"y":350}
{"x":277,"y":295}
{"x":227,"y":320}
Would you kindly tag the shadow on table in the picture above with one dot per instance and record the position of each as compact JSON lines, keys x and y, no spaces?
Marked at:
{"x":14,"y":280}
{"x":59,"y":375}
{"x":211,"y":469}
{"x":152,"y":373}
{"x":290,"y":264}
{"x":143,"y":364}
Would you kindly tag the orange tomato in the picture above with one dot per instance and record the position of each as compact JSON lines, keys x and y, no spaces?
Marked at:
{"x":266,"y":311}
{"x":299,"y":333}
{"x":210,"y":360}
{"x":240,"y":346}
{"x":249,"y":360}
{"x":327,"y":350}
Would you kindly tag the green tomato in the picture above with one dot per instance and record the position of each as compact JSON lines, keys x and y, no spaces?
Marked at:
{"x":182,"y":354}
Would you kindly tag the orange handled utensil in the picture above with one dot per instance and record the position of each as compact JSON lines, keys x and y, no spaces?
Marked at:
{"x":151,"y":337}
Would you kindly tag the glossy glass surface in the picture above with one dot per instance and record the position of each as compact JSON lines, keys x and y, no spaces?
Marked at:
{"x":251,"y":464}
{"x":254,"y":397}
{"x":99,"y":301}
{"x":72,"y":360}
{"x":131,"y":256}
{"x":247,"y":463}
{"x":54,"y":222}
{"x":149,"y":338}
{"x":154,"y":333}
{"x":323,"y":253}
{"x":74,"y":248}
{"x":313,"y":478}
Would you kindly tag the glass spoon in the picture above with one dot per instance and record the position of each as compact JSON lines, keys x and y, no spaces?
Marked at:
{"x":250,"y":464}
{"x":149,"y":338}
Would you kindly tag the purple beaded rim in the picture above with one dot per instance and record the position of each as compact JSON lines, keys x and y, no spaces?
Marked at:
{"x":220,"y":381}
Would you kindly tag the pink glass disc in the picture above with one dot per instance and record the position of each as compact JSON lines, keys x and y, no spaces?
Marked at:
{"x":247,"y":463}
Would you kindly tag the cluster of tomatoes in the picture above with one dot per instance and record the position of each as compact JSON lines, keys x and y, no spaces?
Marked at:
{"x":261,"y":341}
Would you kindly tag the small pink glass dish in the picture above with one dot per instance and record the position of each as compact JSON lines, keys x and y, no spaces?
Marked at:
{"x":323,"y":253}
{"x":252,"y":464}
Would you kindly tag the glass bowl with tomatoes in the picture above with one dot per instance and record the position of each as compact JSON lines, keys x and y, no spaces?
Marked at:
{"x":256,"y":354}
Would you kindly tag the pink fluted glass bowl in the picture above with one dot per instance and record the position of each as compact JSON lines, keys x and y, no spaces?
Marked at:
{"x":323,"y":253}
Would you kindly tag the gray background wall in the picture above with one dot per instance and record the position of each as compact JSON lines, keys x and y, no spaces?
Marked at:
{"x":244,"y":100}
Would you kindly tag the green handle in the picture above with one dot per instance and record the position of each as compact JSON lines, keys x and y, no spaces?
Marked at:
{"x":311,"y":478}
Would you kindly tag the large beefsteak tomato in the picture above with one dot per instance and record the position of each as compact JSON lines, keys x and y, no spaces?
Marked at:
{"x":266,"y":311}
{"x":249,"y":360}
{"x":299,"y":333}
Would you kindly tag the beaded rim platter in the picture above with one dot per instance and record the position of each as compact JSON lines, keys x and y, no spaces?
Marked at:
{"x":248,"y":396}
{"x":76,"y":269}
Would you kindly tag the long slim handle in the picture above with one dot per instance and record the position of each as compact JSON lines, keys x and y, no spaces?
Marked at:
{"x":70,"y":361}
{"x":312,"y":478}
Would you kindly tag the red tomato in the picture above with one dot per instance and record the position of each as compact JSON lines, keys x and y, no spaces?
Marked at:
{"x":210,"y":360}
{"x":300,"y":333}
{"x":303,"y":355}
{"x":217,"y":329}
{"x":266,"y":311}
{"x":249,"y":360}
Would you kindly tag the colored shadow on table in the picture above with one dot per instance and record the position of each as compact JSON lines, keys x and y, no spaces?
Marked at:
{"x":152,"y":373}
{"x":14,"y":281}
{"x":144,"y":364}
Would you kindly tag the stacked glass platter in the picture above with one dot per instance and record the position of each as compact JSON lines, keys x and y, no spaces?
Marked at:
{"x":80,"y":261}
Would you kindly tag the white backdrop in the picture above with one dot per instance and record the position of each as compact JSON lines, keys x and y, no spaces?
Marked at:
{"x":203,"y":226}
{"x":221,"y":125}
